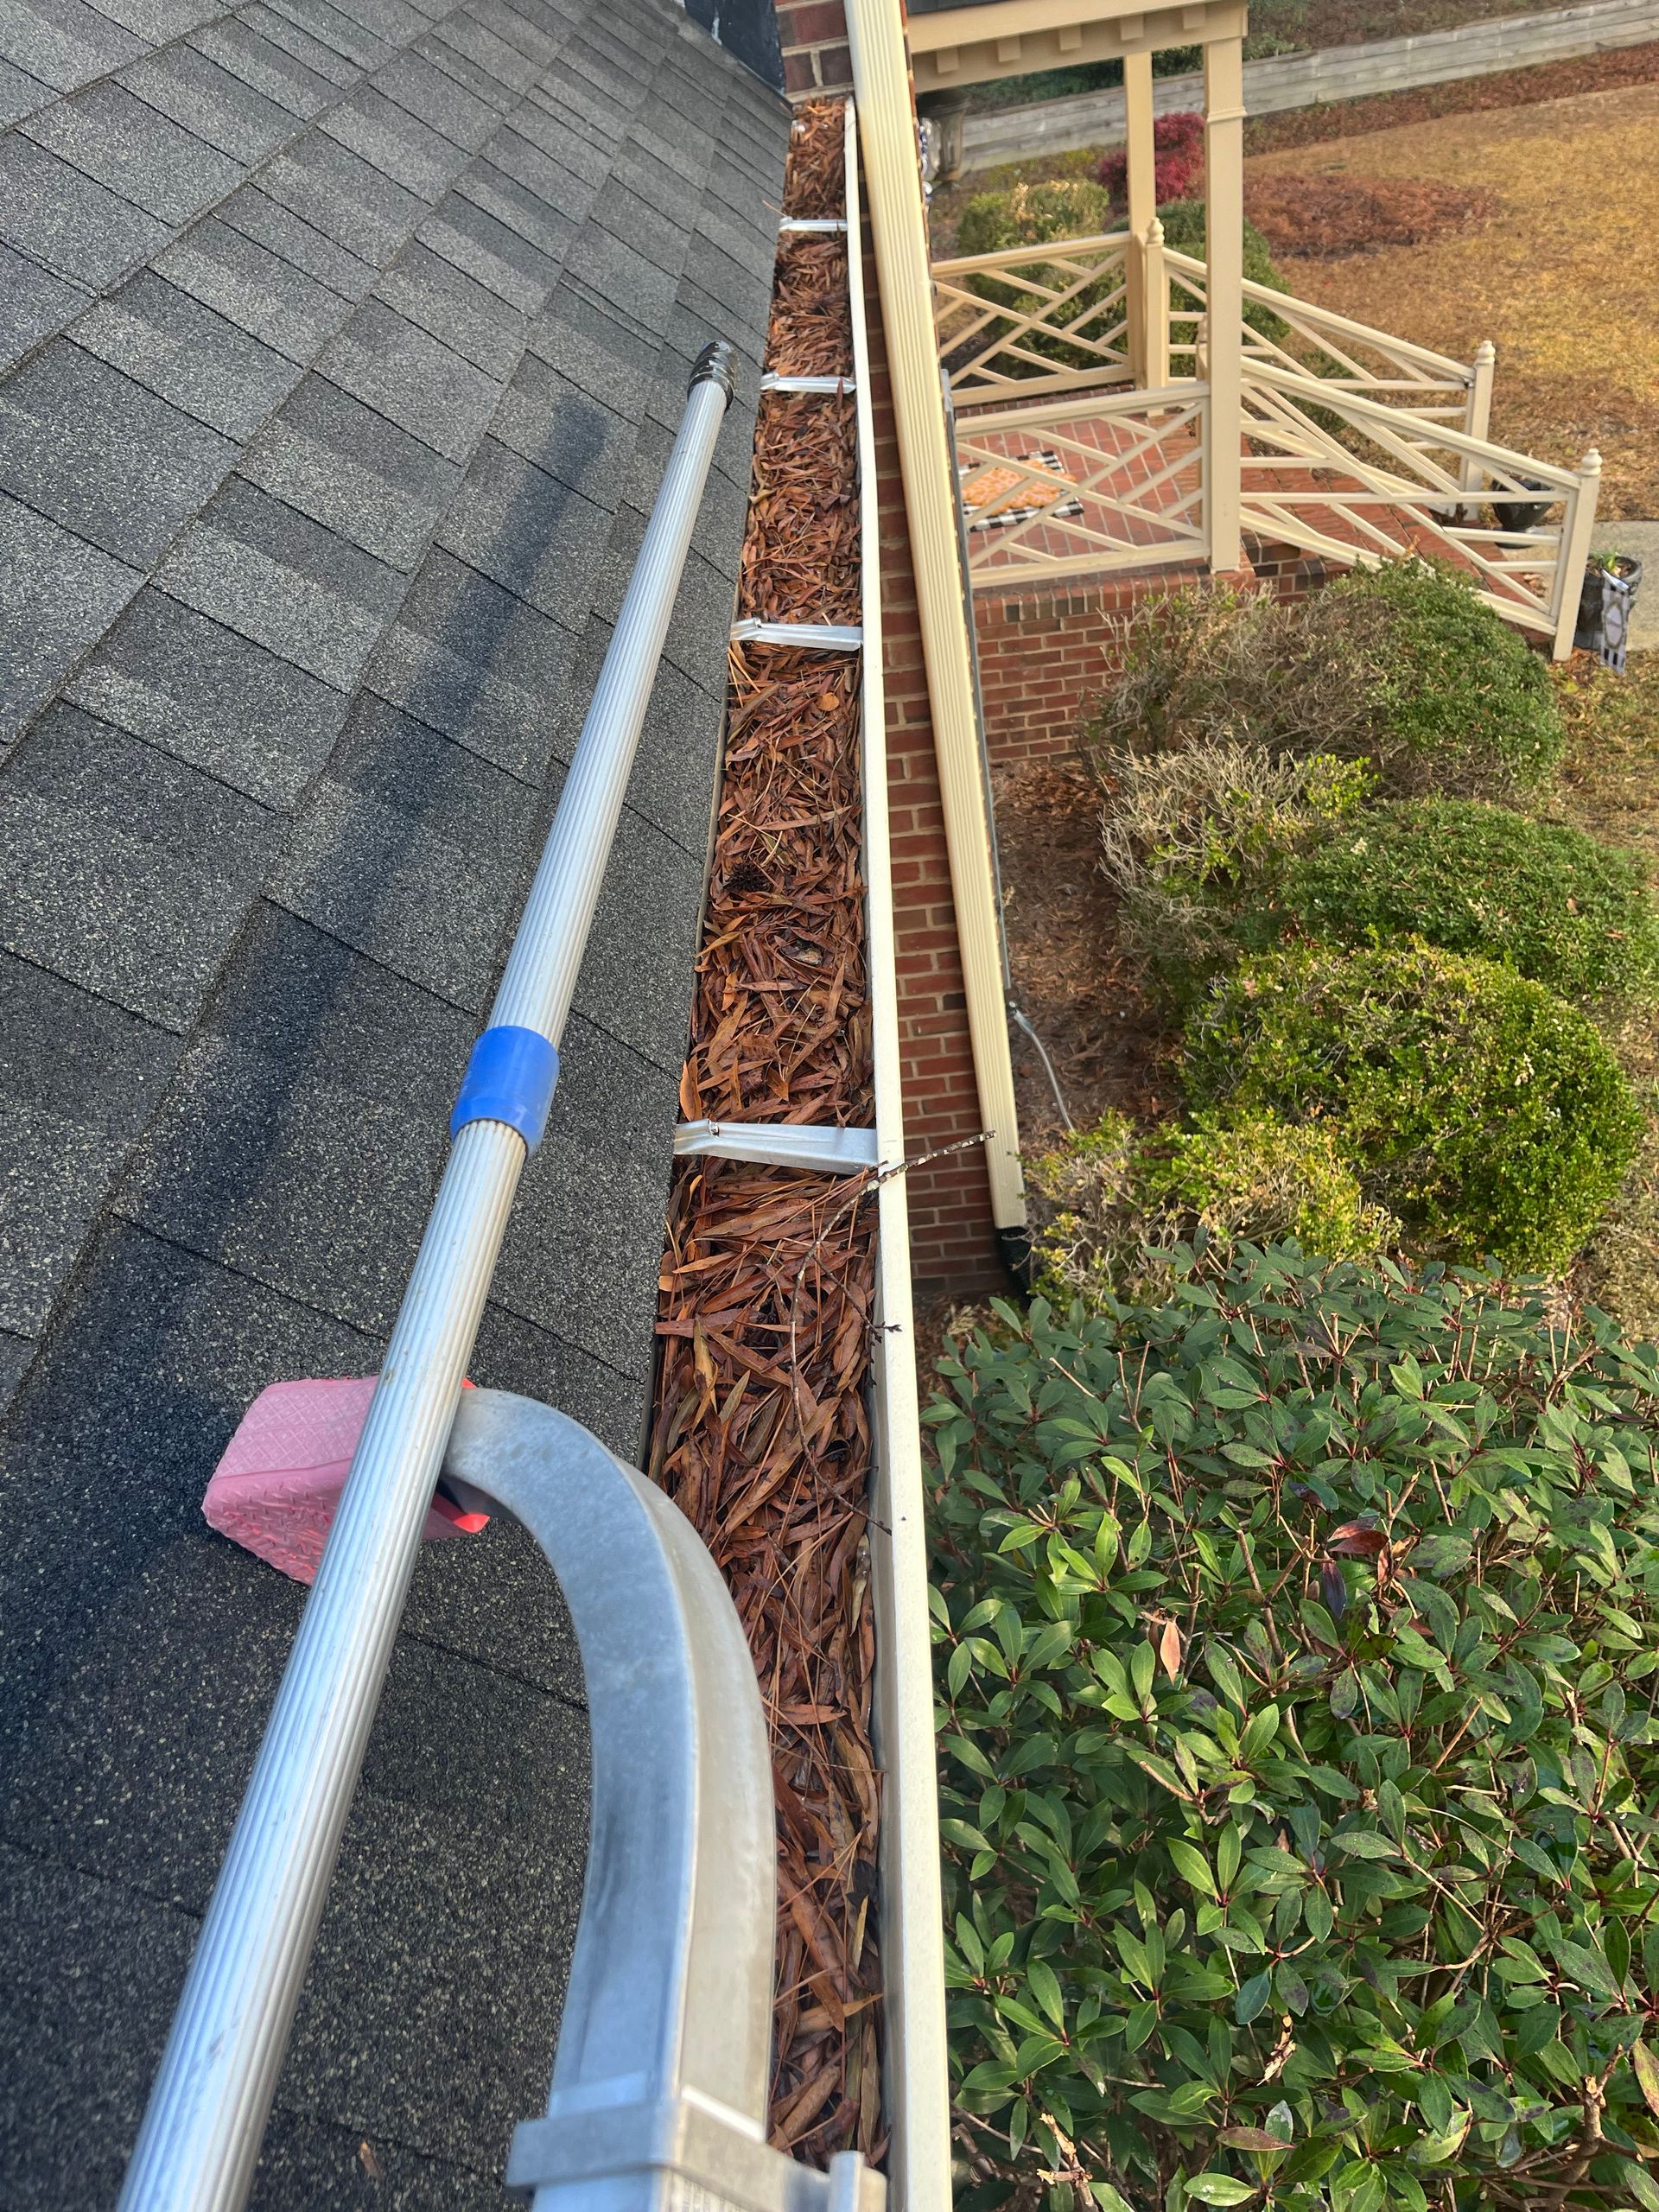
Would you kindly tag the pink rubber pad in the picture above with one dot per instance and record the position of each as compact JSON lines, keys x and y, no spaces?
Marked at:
{"x":274,"y":1490}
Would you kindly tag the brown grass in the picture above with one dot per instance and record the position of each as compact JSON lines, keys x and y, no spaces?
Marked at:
{"x":1561,"y":277}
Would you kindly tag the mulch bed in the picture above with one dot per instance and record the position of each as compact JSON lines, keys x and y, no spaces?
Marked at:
{"x":1546,"y":80}
{"x":1329,"y":218}
{"x":800,"y":556}
{"x":780,"y":1026}
{"x":811,"y":329}
{"x":1077,"y":988}
{"x":761,"y":1430}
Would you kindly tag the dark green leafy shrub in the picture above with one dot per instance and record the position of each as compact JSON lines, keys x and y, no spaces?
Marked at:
{"x":1486,"y":1112}
{"x":1463,"y":702}
{"x":1112,"y":1205}
{"x":1544,"y":900}
{"x":1297,"y":1651}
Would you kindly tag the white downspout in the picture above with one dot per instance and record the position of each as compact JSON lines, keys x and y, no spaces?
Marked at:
{"x":882,"y":81}
{"x":913,"y":1953}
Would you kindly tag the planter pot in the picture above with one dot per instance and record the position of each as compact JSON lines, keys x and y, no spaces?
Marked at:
{"x":1605,"y":604}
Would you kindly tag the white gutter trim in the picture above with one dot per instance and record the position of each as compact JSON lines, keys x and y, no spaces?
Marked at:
{"x":779,"y":1144}
{"x":772,"y":382}
{"x":912,"y":1925}
{"x":812,"y":637}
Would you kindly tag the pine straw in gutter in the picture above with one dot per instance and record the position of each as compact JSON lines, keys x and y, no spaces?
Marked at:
{"x":800,"y":556}
{"x":811,"y":333}
{"x":762,"y":1439}
{"x":761,"y":1434}
{"x":780,"y":1026}
{"x":815,"y":184}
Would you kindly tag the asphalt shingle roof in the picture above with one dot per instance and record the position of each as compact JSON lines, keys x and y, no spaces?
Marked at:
{"x":342,"y":344}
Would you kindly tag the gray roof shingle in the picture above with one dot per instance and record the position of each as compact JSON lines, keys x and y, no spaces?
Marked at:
{"x":343,"y":344}
{"x":107,"y":133}
{"x":96,"y":452}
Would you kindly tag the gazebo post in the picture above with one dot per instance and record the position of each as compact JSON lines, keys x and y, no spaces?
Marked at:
{"x":1223,"y":190}
{"x":1143,"y":190}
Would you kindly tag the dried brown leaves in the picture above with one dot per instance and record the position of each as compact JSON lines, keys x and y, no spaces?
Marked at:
{"x":762,"y":1439}
{"x":816,"y":180}
{"x":780,"y":1027}
{"x":1328,"y":218}
{"x":811,"y":333}
{"x":800,"y":556}
{"x":761,"y":1434}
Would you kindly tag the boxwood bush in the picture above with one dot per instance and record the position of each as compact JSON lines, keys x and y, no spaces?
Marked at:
{"x":1404,"y":667}
{"x":1463,"y":703}
{"x":1542,"y":898}
{"x":1484,"y":1112}
{"x":1297,"y":1650}
{"x":1112,"y":1205}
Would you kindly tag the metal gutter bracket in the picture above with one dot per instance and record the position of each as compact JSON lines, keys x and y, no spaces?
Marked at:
{"x":660,"y":2082}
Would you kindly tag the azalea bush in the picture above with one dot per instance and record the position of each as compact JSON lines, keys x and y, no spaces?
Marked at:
{"x":1297,"y":1647}
{"x":1483,"y":1110}
{"x":1403,"y":667}
{"x":1198,"y":843}
{"x":1177,"y":160}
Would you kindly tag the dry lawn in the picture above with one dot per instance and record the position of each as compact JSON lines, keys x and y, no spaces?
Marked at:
{"x":1561,"y":277}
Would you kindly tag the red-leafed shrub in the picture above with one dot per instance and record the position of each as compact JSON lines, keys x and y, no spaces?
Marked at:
{"x":1177,"y":160}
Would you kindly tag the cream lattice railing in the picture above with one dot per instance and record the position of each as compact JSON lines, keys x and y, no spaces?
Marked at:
{"x":1332,"y":472}
{"x":1347,"y":355}
{"x":1050,"y":492}
{"x":1034,"y":320}
{"x":1354,"y":444}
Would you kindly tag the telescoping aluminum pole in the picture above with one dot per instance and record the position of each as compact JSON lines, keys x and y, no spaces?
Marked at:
{"x":199,"y":2141}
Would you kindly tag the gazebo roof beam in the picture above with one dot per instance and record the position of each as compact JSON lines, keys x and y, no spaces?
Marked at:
{"x":987,"y":39}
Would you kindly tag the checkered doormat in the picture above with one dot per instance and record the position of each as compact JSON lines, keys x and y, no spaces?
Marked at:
{"x":996,"y":494}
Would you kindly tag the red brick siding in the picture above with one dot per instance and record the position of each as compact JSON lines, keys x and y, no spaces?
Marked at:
{"x":813,"y":36}
{"x":953,"y":1242}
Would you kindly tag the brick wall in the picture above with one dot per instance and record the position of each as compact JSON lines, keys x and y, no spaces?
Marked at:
{"x":954,"y":1246}
{"x":813,"y":35}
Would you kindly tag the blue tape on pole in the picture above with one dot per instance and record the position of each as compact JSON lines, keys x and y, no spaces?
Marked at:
{"x":509,"y":1079}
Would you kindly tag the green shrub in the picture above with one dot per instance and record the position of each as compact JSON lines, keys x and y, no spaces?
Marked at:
{"x":1115,"y":1207}
{"x":1297,"y":1650}
{"x":1213,"y":666}
{"x":1544,"y":900}
{"x":1184,"y":232}
{"x":1477,"y":1105}
{"x":1463,"y":702}
{"x":1035,"y":214}
{"x":1405,"y":667}
{"x":1198,"y":843}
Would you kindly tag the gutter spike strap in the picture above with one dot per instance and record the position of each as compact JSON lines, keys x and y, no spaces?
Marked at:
{"x":510,"y":1078}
